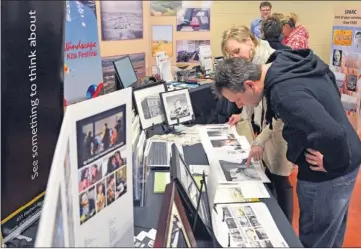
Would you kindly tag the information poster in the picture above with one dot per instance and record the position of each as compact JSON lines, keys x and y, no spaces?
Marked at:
{"x":345,"y":60}
{"x":31,"y":106}
{"x":83,"y":76}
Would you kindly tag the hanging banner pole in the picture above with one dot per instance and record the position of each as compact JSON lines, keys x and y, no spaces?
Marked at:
{"x":32,"y":68}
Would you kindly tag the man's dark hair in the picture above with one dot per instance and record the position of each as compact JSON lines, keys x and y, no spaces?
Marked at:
{"x":265,"y":4}
{"x":272,"y":28}
{"x":231,"y":74}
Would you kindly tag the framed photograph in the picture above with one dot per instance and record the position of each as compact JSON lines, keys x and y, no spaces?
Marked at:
{"x":148,"y":104}
{"x":177,"y":106}
{"x":174,"y":230}
{"x":188,"y":188}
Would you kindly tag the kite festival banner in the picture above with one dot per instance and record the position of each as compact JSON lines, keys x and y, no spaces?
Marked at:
{"x":31,"y":106}
{"x":345,"y":60}
{"x":83,"y":75}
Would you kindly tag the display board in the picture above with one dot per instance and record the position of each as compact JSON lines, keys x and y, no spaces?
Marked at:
{"x":345,"y":60}
{"x":83,"y":76}
{"x":32,"y":65}
{"x":93,"y":168}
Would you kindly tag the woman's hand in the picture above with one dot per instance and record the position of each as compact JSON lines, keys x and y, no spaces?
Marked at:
{"x":256,"y":153}
{"x":234,"y":119}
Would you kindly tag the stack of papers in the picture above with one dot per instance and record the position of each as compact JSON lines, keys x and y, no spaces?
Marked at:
{"x":145,"y":239}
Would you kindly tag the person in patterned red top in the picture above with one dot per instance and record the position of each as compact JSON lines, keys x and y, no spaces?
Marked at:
{"x":295,"y":37}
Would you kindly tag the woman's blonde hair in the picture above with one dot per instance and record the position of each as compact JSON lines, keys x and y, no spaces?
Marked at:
{"x":239,"y":33}
{"x":278,"y":16}
{"x":290,"y":19}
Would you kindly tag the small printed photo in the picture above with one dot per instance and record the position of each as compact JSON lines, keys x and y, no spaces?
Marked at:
{"x":231,"y":223}
{"x":225,"y":142}
{"x":254,"y":221}
{"x":248,"y":211}
{"x":239,"y":211}
{"x":237,"y":237}
{"x":193,"y":19}
{"x":96,"y":172}
{"x":100,"y":197}
{"x":236,"y":172}
{"x":188,"y":50}
{"x":217,"y":133}
{"x":351,"y":82}
{"x":266,"y":244}
{"x":162,"y":39}
{"x":255,"y":244}
{"x":87,"y":205}
{"x":251,"y":234}
{"x":110,"y":189}
{"x":100,"y":134}
{"x":226,"y":212}
{"x":261,"y":233}
{"x":164,"y":8}
{"x":120,"y":181}
{"x":241,"y":245}
{"x":337,"y":57}
{"x":243,"y":221}
{"x":351,"y":61}
{"x":357,"y":40}
{"x":84,"y":178}
{"x":114,"y":161}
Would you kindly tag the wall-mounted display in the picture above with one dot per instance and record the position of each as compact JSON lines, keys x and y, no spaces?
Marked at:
{"x":188,"y":50}
{"x":193,"y":19}
{"x":164,"y":8}
{"x":121,"y":20}
{"x":138,"y":62}
{"x":162,"y":39}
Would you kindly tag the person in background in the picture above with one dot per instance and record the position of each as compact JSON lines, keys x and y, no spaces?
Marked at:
{"x":269,"y":145}
{"x":271,"y":31}
{"x":301,"y":91}
{"x":295,"y":36}
{"x":96,"y":174}
{"x":265,"y":9}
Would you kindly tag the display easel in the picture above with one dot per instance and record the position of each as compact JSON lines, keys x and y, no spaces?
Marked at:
{"x":196,"y":216}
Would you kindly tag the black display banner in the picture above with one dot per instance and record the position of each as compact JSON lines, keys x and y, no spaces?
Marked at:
{"x":32,"y":68}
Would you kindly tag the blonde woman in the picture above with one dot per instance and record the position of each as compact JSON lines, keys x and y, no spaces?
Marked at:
{"x":295,"y":36}
{"x":269,"y":145}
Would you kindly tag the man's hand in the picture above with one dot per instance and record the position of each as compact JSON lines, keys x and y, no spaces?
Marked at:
{"x":234,"y":119}
{"x":256,"y":153}
{"x":315,"y":158}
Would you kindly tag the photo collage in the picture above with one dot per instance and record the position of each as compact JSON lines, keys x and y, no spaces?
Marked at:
{"x":244,"y":228}
{"x":345,"y":61}
{"x":102,"y":163}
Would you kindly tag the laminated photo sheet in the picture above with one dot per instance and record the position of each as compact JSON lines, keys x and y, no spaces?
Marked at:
{"x":101,"y":170}
{"x":248,"y":225}
{"x":145,"y":239}
{"x":227,"y":153}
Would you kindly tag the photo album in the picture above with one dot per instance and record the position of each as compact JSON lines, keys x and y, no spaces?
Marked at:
{"x":89,"y":199}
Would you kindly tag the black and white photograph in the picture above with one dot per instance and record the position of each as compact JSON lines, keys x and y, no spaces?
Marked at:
{"x":121,"y":20}
{"x":236,"y":235}
{"x":226,"y":212}
{"x":243,"y":221}
{"x":250,"y":234}
{"x":177,"y":106}
{"x":237,"y":172}
{"x":148,"y":104}
{"x":248,"y":211}
{"x":254,"y":221}
{"x":222,"y":134}
{"x":100,"y":134}
{"x":224,"y":142}
{"x":255,"y":244}
{"x":266,"y":244}
{"x":261,"y":233}
{"x":337,"y":57}
{"x":231,"y":224}
{"x":351,"y":82}
{"x":357,"y":40}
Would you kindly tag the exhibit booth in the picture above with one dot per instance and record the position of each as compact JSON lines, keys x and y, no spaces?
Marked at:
{"x":118,"y":141}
